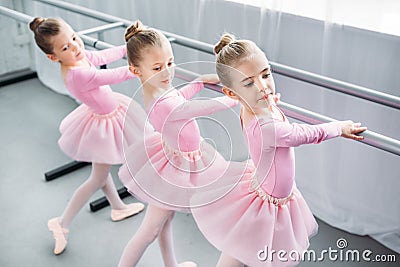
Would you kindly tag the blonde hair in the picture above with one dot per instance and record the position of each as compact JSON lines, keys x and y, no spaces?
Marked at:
{"x":44,"y":29}
{"x":137,"y":38}
{"x":230,"y":52}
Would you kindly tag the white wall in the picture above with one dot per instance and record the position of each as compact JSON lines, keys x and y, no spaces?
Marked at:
{"x":16,"y":38}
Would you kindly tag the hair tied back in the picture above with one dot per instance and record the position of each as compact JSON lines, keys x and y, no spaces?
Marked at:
{"x":135,"y":28}
{"x":225,"y":40}
{"x":35,"y":23}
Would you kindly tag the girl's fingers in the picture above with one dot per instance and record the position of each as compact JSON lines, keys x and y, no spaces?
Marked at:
{"x":359,"y":129}
{"x":277,"y":97}
{"x":358,"y":137}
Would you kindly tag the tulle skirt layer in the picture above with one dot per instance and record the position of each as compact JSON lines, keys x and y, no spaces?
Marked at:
{"x":91,"y":137}
{"x":168,"y":178}
{"x":252,"y":226}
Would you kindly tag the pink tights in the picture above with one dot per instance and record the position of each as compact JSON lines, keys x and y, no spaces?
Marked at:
{"x":99,"y":178}
{"x":156,"y":224}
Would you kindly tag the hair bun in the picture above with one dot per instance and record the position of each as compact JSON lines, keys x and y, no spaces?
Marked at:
{"x":135,"y":28}
{"x":34,"y":24}
{"x":225,"y":40}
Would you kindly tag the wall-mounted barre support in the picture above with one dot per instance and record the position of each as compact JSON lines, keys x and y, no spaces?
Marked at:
{"x":64,"y":169}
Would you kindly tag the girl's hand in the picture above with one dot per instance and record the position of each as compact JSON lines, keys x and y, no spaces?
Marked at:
{"x":277,"y":97}
{"x":350,"y":129}
{"x":209,"y":78}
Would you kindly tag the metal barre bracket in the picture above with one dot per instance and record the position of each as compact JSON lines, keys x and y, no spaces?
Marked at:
{"x":64,"y":169}
{"x":103,"y":202}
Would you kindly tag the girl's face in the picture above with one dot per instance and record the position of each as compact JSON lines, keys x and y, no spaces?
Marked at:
{"x":252,"y":83}
{"x":68,"y":48}
{"x":157,"y":66}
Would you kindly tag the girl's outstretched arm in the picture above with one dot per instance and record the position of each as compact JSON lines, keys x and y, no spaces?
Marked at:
{"x":93,"y":78}
{"x":201,"y":107}
{"x":294,"y":134}
{"x":197,"y":85}
{"x":102,"y":57}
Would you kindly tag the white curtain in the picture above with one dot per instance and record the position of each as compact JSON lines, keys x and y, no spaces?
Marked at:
{"x":351,"y":186}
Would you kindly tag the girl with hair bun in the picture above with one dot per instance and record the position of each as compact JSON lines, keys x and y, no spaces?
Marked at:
{"x":179,"y":161}
{"x":264,"y":220}
{"x":93,"y":131}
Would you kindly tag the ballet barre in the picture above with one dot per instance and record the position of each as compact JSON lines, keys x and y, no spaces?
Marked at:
{"x":312,"y":78}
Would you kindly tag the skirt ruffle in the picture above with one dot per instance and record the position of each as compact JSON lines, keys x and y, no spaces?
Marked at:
{"x":249,"y":226}
{"x":91,"y":137}
{"x":160,"y":175}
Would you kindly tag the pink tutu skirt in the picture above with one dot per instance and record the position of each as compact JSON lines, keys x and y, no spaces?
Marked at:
{"x":165,"y":177}
{"x":91,"y":137}
{"x":252,"y":226}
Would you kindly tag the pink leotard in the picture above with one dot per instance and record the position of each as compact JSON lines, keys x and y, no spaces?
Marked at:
{"x":271,"y":143}
{"x":93,"y":132}
{"x":174,"y":161}
{"x":174,"y":117}
{"x":265,"y":210}
{"x":91,"y":85}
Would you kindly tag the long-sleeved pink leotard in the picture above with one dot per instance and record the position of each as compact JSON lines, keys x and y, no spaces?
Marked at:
{"x":178,"y":160}
{"x":265,"y":211}
{"x":91,"y":85}
{"x":93,"y":131}
{"x":174,"y":117}
{"x":271,"y":145}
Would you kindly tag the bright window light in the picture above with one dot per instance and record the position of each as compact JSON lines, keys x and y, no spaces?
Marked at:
{"x":375,"y":15}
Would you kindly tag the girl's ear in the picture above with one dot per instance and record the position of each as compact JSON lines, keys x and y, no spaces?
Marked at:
{"x":52,"y":57}
{"x":135,"y":70}
{"x":227,"y":91}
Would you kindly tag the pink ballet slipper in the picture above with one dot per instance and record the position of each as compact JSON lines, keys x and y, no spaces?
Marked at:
{"x":59,"y":235}
{"x":132,"y":209}
{"x":187,"y":264}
